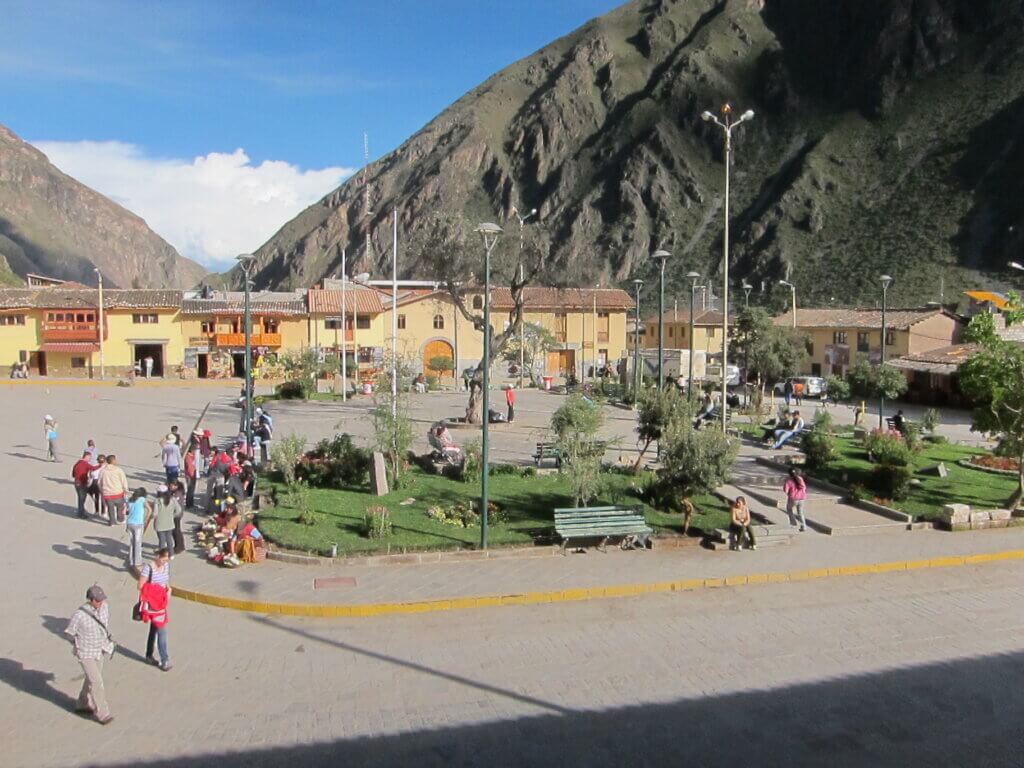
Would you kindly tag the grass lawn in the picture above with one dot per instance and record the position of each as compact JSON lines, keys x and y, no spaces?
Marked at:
{"x":963,"y":486}
{"x":527,"y":501}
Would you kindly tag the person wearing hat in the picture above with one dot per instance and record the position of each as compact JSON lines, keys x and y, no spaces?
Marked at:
{"x":170,"y":457}
{"x":93,"y":644}
{"x":50,"y":432}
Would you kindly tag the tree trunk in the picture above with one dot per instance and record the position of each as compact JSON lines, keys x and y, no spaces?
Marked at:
{"x":1018,"y":495}
{"x":475,"y":402}
{"x":636,"y":465}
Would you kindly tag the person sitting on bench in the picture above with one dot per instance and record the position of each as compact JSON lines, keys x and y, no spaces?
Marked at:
{"x":769,"y":429}
{"x":706,"y":412}
{"x":899,"y":422}
{"x":783,"y":434}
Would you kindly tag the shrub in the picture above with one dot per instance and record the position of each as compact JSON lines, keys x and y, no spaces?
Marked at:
{"x":336,"y":463}
{"x":473,"y":461}
{"x":291,"y":390}
{"x":824,"y":422}
{"x":888,"y":448}
{"x":891,"y":481}
{"x":433,"y":383}
{"x":286,"y":454}
{"x":377,"y":522}
{"x":930,"y":421}
{"x":694,"y":461}
{"x":575,"y":425}
{"x":838,"y":388}
{"x":819,"y":448}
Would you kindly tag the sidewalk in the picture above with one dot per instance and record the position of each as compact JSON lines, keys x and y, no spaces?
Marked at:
{"x":583,"y":575}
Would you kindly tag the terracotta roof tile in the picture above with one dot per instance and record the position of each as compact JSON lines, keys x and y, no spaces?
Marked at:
{"x":365,"y":301}
{"x":543,"y":297}
{"x":233,"y":303}
{"x":702,"y":317}
{"x":941,"y":360}
{"x":62,"y":297}
{"x":858,"y":318}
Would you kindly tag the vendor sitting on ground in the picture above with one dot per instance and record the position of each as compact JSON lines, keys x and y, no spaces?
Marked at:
{"x":784,"y":433}
{"x":245,"y":541}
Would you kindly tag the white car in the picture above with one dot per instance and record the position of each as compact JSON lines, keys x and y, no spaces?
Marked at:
{"x":806,"y":386}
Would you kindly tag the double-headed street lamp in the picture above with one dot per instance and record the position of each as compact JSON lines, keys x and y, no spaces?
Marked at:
{"x":693,"y":277}
{"x":661,"y":257}
{"x":747,"y":288}
{"x":490,"y":233}
{"x":792,"y":290}
{"x":886,"y":281}
{"x":638,"y":284}
{"x":1016,"y":265}
{"x":727,"y":129}
{"x":522,"y":323}
{"x":246,"y":261}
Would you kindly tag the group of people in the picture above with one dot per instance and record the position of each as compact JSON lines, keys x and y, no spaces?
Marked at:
{"x":788,"y":425}
{"x":741,"y":524}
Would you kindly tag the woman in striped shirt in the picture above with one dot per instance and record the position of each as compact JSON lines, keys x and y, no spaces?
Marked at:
{"x":154,"y":595}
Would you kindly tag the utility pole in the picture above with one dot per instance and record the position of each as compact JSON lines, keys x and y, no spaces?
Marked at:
{"x":99,"y":277}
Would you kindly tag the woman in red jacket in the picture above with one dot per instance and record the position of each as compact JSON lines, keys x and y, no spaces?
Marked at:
{"x":154,"y":596}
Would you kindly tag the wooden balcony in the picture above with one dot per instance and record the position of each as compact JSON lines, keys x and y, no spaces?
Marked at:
{"x":238,"y":339}
{"x":57,"y":331}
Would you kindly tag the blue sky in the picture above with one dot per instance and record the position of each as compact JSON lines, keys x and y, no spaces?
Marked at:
{"x":110,"y":89}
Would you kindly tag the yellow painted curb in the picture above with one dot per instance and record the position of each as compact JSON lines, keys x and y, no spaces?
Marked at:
{"x":586,"y":593}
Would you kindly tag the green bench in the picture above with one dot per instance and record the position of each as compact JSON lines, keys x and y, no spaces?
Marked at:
{"x":601,"y":523}
{"x":547,"y":451}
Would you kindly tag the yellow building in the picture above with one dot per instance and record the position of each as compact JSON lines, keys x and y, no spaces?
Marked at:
{"x":362,"y":335}
{"x":56,"y":330}
{"x":213,"y":329}
{"x":839,"y":338}
{"x":707,"y":331}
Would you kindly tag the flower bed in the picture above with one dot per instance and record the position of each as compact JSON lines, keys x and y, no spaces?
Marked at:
{"x":1004,"y":463}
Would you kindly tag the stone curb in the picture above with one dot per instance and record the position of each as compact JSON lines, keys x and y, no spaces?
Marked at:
{"x":588,"y":593}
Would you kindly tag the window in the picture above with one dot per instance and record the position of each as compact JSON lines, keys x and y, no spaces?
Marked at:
{"x":478,"y":302}
{"x":270,"y":325}
{"x":147,"y":319}
{"x":815,"y":369}
{"x":363,"y":323}
{"x":78,"y":362}
{"x":890,"y":337}
{"x":711,"y":332}
{"x":333,"y":323}
{"x":560,"y":322}
{"x":839,"y":337}
{"x":438,"y":323}
{"x":401,"y":322}
{"x":602,"y":326}
{"x":208,"y":326}
{"x":863,"y":344}
{"x":810,"y":348}
{"x":670,"y":332}
{"x":12,"y":319}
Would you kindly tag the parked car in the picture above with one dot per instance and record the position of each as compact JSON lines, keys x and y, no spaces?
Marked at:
{"x":812,"y":386}
{"x":713,"y":375}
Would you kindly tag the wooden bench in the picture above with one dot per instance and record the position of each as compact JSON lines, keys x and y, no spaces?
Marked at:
{"x":547,"y":451}
{"x":599,"y":523}
{"x":891,"y":423}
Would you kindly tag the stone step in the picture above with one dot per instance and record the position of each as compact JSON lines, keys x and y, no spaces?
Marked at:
{"x":838,"y":519}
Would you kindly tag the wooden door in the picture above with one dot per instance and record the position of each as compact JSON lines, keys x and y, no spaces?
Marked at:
{"x":437,"y":348}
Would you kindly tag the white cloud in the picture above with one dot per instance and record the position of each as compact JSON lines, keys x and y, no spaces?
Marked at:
{"x":210,"y":208}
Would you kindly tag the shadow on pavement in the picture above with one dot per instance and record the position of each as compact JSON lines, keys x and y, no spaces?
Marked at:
{"x":34,"y":682}
{"x":88,"y":551}
{"x":53,"y":507}
{"x":964,"y":712}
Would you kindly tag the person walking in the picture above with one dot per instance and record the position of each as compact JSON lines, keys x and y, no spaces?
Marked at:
{"x":90,"y":446}
{"x":147,"y":362}
{"x":739,"y":525}
{"x":114,"y":489}
{"x":94,"y":482}
{"x":170,"y":457}
{"x":787,"y":391}
{"x":50,"y":432}
{"x":795,"y":489}
{"x":191,"y":476}
{"x":140,"y":512}
{"x":154,"y":596}
{"x":80,"y":475}
{"x":88,"y":628}
{"x":510,"y":401}
{"x":166,"y":509}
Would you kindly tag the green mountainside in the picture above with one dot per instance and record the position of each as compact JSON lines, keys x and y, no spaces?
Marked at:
{"x":51,"y":224}
{"x":886,"y":140}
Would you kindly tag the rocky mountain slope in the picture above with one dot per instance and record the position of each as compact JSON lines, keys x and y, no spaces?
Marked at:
{"x":886,"y":140}
{"x":51,"y":224}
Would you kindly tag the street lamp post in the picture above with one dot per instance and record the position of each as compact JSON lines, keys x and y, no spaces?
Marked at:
{"x":638,"y":283}
{"x":246,"y":261}
{"x":344,"y":331}
{"x":661,"y":257}
{"x":792,"y":290}
{"x":489,"y":232}
{"x":1016,"y":265}
{"x":522,"y":333}
{"x":727,"y":128}
{"x":886,"y":281}
{"x":747,"y":288}
{"x":99,"y":278}
{"x":694,"y":277}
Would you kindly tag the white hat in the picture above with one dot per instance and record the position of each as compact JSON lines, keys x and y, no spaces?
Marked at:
{"x":161,"y":488}
{"x":49,"y":417}
{"x":172,"y":437}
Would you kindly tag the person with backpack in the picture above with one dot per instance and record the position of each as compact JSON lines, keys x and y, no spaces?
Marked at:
{"x":795,"y":489}
{"x":154,"y":596}
{"x":93,"y":645}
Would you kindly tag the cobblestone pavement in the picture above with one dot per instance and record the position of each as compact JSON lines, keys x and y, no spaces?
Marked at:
{"x":918,"y":668}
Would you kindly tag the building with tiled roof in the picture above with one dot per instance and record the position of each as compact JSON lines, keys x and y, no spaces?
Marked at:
{"x":838,"y":338}
{"x":707,"y":330}
{"x":582,"y":299}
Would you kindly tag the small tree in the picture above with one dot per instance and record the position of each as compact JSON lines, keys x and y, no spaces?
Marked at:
{"x":994,"y":380}
{"x":659,"y":411}
{"x":537,"y":341}
{"x":391,"y":424}
{"x":575,"y":425}
{"x":286,"y":454}
{"x":872,"y":381}
{"x":441,"y":364}
{"x":769,"y":352}
{"x":837,"y":388}
{"x":694,"y":461}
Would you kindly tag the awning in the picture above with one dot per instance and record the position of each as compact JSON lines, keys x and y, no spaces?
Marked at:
{"x":82,"y":347}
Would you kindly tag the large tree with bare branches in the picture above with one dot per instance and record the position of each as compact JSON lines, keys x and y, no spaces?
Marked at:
{"x":453,"y":252}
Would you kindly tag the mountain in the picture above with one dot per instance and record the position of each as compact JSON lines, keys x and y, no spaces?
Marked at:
{"x":51,"y":224}
{"x":885,"y":141}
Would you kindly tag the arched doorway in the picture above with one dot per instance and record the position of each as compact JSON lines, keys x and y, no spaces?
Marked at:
{"x":438,"y":348}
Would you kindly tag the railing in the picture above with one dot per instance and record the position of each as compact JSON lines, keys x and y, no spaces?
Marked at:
{"x":55,"y":331}
{"x":238,"y":339}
